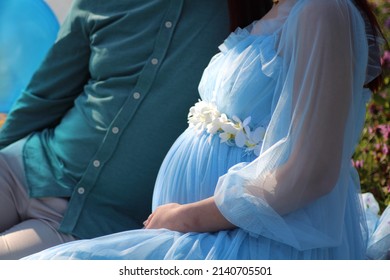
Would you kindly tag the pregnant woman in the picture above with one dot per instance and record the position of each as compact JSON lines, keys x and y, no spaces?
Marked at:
{"x":263,"y":170}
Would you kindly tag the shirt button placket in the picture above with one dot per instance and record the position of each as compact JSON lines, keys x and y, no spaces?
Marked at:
{"x":115,"y":130}
{"x":136,"y":95}
{"x":96,"y":163}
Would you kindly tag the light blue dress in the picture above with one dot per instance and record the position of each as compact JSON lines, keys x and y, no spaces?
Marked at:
{"x":282,"y":107}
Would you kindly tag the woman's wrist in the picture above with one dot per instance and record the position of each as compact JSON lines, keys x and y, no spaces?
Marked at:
{"x":204,"y":216}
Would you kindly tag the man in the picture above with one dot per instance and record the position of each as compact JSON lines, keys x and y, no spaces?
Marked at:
{"x":83,"y":144}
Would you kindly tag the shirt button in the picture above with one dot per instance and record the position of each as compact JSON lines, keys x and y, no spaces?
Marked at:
{"x":96,"y":163}
{"x":154,"y":61}
{"x":115,"y":130}
{"x":136,"y":95}
{"x":81,"y":190}
{"x":168,"y":24}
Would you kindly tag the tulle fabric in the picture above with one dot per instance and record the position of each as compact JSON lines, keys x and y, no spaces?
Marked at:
{"x":301,"y":76}
{"x":304,"y":165}
{"x":378,"y":247}
{"x":379,"y":242}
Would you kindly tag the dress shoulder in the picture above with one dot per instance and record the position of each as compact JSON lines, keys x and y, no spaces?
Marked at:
{"x":235,"y":37}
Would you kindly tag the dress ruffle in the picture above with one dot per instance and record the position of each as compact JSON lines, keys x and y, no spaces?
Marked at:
{"x":378,"y":246}
{"x":269,"y":58}
{"x":233,"y":39}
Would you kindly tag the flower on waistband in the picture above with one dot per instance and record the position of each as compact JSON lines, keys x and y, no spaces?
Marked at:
{"x":204,"y":116}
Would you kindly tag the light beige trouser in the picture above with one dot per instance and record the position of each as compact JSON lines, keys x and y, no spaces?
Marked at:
{"x":27,"y":225}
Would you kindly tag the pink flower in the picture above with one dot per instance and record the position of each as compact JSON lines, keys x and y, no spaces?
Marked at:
{"x":385,"y":149}
{"x":387,"y":23}
{"x":358,"y":164}
{"x":384,"y":129}
{"x":383,"y":94}
{"x":385,"y":59}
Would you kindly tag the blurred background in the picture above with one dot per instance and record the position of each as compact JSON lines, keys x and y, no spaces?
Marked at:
{"x":372,"y":156}
{"x":28,"y":29}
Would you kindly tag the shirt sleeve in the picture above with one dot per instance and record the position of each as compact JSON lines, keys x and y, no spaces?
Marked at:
{"x":293,"y":192}
{"x":58,"y":81}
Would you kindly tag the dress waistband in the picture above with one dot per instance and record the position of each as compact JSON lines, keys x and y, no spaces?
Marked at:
{"x":204,"y":116}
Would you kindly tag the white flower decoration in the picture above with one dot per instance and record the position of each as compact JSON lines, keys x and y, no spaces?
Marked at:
{"x":205,"y":116}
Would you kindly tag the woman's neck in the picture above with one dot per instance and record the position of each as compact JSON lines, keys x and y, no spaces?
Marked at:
{"x":278,"y":13}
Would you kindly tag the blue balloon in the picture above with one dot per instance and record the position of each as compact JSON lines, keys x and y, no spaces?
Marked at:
{"x":28,"y":29}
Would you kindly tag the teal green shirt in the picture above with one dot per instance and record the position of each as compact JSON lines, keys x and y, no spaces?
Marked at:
{"x":107,"y":103}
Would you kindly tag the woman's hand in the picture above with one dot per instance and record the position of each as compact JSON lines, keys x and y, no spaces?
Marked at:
{"x":170,"y":216}
{"x":201,"y":216}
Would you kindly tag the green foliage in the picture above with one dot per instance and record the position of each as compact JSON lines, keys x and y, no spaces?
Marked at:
{"x":372,"y":154}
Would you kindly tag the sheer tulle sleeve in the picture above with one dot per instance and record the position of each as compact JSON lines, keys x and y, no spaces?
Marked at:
{"x":295,"y":191}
